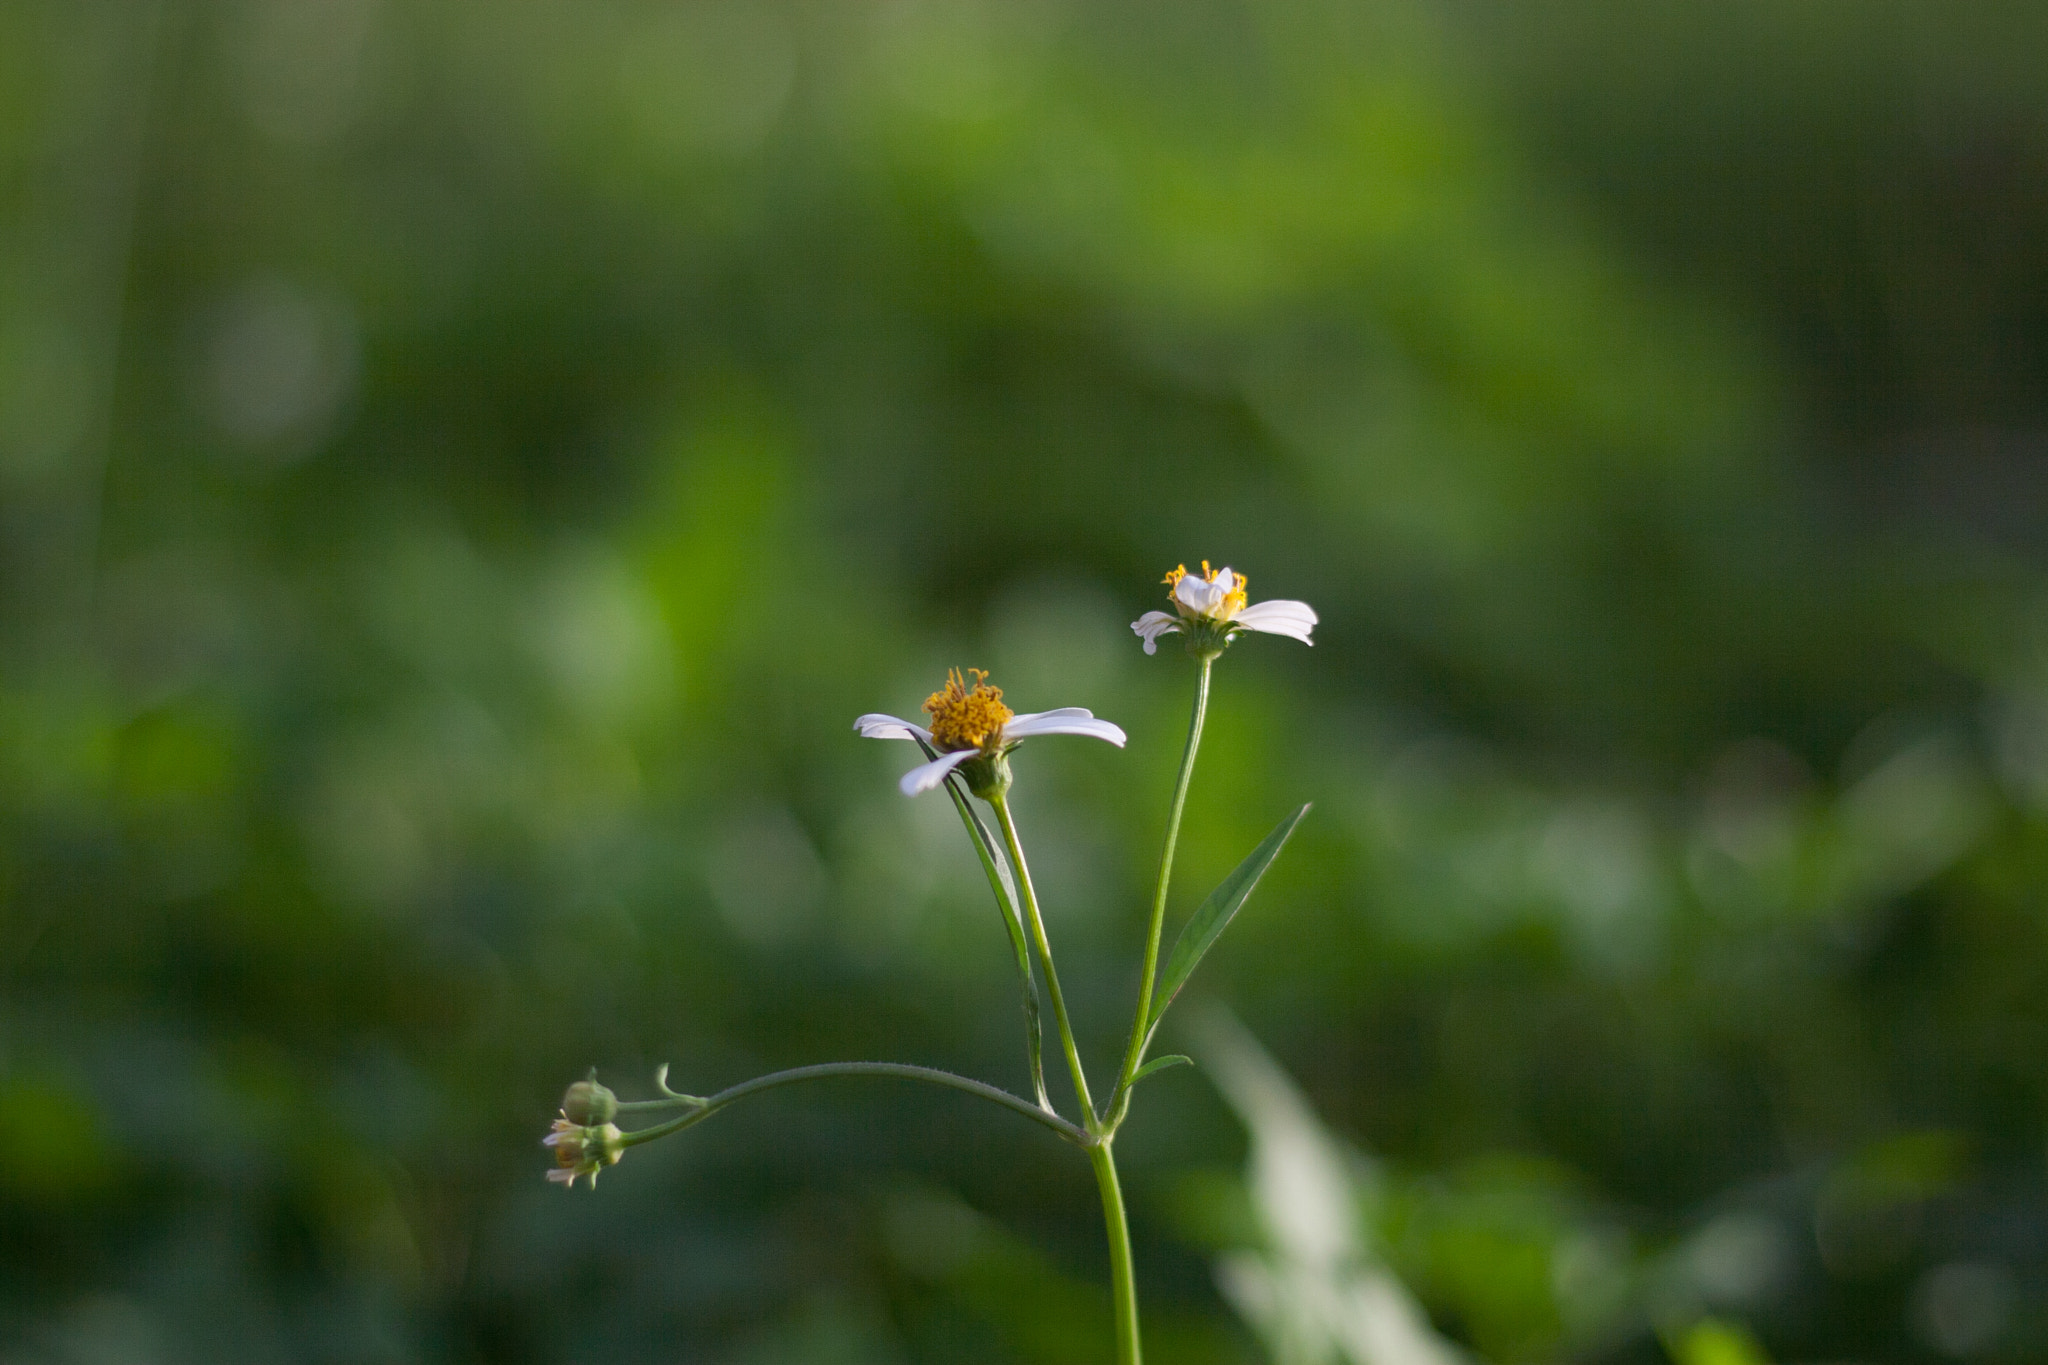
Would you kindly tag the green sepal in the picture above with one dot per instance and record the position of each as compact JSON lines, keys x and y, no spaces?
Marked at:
{"x":1214,"y":916}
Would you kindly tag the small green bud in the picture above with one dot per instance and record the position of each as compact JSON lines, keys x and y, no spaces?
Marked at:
{"x":587,"y":1102}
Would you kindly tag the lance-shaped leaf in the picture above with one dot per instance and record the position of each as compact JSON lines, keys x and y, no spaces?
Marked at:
{"x":1215,"y":914}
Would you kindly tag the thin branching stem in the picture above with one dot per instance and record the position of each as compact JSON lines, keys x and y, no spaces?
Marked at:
{"x":899,"y":1070}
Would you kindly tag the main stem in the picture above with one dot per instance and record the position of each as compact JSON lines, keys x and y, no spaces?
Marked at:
{"x":1001,"y":805}
{"x":1123,"y":1281}
{"x":1134,"y":1055}
{"x":1122,"y":1277}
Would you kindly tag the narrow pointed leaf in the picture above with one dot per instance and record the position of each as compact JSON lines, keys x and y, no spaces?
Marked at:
{"x":1215,"y":914}
{"x":1160,"y":1064}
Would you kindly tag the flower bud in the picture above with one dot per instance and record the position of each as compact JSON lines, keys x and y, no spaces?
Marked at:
{"x":587,"y":1102}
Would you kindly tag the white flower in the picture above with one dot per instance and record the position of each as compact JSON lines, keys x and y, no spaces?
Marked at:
{"x":1215,"y":601}
{"x":970,"y":722}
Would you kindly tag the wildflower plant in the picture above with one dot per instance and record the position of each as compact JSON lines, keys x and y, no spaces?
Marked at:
{"x":967,"y":745}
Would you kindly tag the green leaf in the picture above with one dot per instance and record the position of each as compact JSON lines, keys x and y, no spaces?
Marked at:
{"x":1215,"y":914}
{"x":1160,"y":1064}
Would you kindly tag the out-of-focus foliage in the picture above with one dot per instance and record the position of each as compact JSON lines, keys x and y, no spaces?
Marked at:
{"x":463,"y":466}
{"x":1316,"y":1287}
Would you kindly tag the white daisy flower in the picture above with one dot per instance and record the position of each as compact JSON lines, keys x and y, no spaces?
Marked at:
{"x":972,"y":722}
{"x":1214,"y":603}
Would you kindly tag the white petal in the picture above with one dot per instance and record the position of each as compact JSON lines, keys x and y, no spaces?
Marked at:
{"x":875,"y":725}
{"x":1198,"y":594}
{"x":1152,"y":625}
{"x":1062,"y":713}
{"x":1226,"y":581}
{"x":928,"y":775}
{"x":1049,"y":724}
{"x":1300,"y":611}
{"x":1280,"y":617}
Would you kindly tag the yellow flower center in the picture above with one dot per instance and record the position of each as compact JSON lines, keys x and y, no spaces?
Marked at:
{"x":1233,"y":601}
{"x":964,"y":717}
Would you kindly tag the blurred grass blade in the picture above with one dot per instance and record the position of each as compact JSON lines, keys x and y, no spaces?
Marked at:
{"x":1215,"y":915}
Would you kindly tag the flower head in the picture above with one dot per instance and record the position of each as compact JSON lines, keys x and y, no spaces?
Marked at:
{"x":970,"y":725}
{"x":1211,"y":607}
{"x":964,"y":718}
{"x":582,"y":1150}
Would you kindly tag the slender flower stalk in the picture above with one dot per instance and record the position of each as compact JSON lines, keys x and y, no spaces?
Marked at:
{"x":1005,"y":889}
{"x":1134,"y":1054}
{"x":1001,"y":803}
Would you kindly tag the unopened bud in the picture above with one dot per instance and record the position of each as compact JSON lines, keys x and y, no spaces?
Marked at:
{"x":587,"y":1102}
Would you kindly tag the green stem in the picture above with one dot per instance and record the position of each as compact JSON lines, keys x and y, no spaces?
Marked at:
{"x":1134,"y":1055}
{"x":1122,"y":1277}
{"x":929,"y":1075}
{"x":649,"y":1106}
{"x":1013,"y":921}
{"x":1001,"y":804}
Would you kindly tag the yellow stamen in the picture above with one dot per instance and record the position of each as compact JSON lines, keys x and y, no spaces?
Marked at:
{"x":1234,"y":600}
{"x":964,"y":717}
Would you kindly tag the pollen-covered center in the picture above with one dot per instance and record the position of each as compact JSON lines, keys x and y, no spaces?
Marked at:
{"x":964,"y":717}
{"x":1229,"y":605}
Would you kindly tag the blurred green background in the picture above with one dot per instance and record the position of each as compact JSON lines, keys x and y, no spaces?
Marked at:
{"x":464,"y":465}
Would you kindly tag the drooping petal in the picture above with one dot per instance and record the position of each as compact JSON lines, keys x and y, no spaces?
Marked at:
{"x":928,"y":775}
{"x":1152,"y":625}
{"x":875,"y":725}
{"x":1280,"y":617}
{"x":1024,"y":727}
